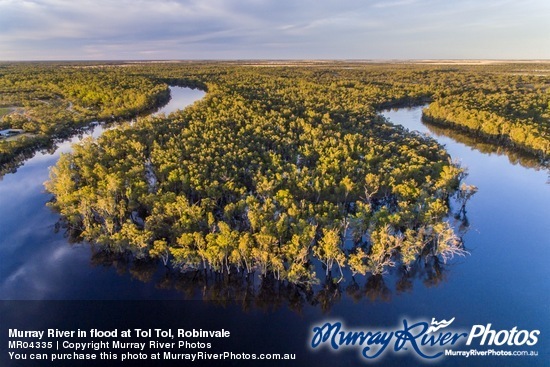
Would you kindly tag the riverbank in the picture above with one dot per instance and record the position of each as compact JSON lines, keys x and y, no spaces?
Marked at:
{"x":16,"y":150}
{"x":57,"y":101}
{"x":502,"y":141}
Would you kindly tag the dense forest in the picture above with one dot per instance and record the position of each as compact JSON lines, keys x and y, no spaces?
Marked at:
{"x":52,"y":101}
{"x":509,"y":110}
{"x":279,"y":167}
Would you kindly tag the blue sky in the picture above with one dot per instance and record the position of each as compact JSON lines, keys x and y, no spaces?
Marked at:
{"x":275,"y":29}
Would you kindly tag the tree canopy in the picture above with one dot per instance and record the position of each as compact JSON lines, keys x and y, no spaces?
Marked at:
{"x":273,"y":170}
{"x":279,"y":168}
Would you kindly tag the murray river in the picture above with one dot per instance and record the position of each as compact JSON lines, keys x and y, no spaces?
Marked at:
{"x":45,"y":280}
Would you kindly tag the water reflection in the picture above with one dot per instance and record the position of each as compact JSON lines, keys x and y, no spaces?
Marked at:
{"x":36,"y":259}
{"x":48,"y":150}
{"x":267,"y":293}
{"x":179,"y":98}
{"x":514,"y":156}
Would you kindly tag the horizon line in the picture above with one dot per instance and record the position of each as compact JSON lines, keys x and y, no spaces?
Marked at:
{"x":367,"y":60}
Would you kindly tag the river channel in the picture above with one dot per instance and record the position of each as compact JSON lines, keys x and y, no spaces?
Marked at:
{"x":503,"y":281}
{"x":37,"y":260}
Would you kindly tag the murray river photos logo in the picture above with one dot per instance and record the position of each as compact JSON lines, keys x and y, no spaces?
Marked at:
{"x":426,"y":340}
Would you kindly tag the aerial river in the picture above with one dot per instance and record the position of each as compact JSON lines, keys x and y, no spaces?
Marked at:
{"x":503,"y":281}
{"x":37,"y":261}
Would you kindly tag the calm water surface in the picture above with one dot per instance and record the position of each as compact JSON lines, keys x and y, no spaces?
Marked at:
{"x":504,"y":281}
{"x":38,"y":263}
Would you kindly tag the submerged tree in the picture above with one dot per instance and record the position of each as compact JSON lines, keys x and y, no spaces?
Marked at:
{"x":329,"y":251}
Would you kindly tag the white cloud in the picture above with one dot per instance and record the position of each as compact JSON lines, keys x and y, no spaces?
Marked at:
{"x":262,"y":28}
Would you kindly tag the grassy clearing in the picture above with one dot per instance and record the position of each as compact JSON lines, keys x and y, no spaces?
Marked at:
{"x":19,"y":136}
{"x":4,"y":111}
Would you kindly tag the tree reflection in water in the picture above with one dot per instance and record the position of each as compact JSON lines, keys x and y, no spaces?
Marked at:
{"x":254,"y":292}
{"x":482,"y":145}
